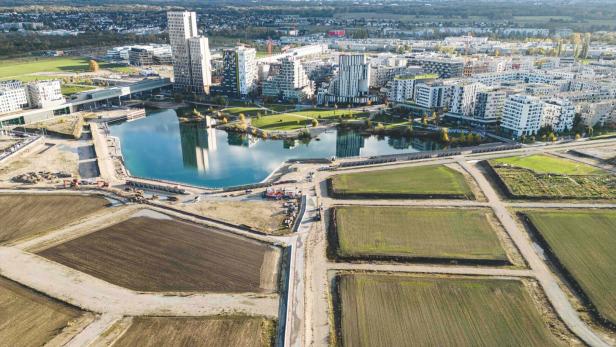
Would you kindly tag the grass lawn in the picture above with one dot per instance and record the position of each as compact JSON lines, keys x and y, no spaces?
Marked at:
{"x":68,"y":90}
{"x":418,"y":181}
{"x":399,"y":310}
{"x":549,"y":164}
{"x":584,"y":243}
{"x":407,"y":232}
{"x":280,"y":122}
{"x":19,"y":67}
{"x":325,"y":114}
{"x":247,"y":111}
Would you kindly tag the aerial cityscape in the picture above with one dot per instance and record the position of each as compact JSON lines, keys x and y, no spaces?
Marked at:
{"x":307,"y":173}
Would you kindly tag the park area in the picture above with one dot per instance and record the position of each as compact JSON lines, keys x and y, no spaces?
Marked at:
{"x":403,"y":310}
{"x":582,"y":243}
{"x":434,"y":181}
{"x":29,"y":215}
{"x":418,"y":234}
{"x":28,"y":318}
{"x":153,"y":252}
{"x":198,"y":331}
{"x":549,"y":177}
{"x":40,"y":68}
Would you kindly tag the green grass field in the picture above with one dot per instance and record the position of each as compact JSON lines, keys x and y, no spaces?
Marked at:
{"x":584,"y":242}
{"x":19,"y":67}
{"x":390,"y":310}
{"x":246,"y":110}
{"x":280,"y":122}
{"x":420,"y":181}
{"x":407,"y":232}
{"x":326,"y":114}
{"x":549,"y":164}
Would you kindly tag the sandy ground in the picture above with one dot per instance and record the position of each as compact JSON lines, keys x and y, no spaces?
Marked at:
{"x":53,"y":155}
{"x":7,"y":141}
{"x":266,"y":216}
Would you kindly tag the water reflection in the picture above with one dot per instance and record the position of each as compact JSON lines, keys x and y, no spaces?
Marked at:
{"x":198,"y":145}
{"x":159,"y":146}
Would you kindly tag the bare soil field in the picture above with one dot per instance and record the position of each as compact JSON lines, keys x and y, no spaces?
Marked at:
{"x":391,"y":310}
{"x":266,"y":216}
{"x":56,"y":155}
{"x":31,"y":319}
{"x":203,"y":331}
{"x":151,"y":254}
{"x":27,"y":215}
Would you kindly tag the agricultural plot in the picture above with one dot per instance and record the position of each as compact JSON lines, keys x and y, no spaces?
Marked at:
{"x":31,"y":319}
{"x":546,"y":177}
{"x":379,"y":310}
{"x":582,"y":244}
{"x":435,"y":181}
{"x":419,"y":234}
{"x":202,"y":331}
{"x":28,"y":215}
{"x":158,"y":253}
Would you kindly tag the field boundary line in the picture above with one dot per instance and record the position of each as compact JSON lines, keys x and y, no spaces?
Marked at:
{"x":432,"y":269}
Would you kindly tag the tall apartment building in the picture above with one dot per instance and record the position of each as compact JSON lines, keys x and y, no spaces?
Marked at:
{"x":190,"y":53}
{"x":291,"y":82}
{"x":463,"y":95}
{"x":559,"y":114}
{"x":489,"y":105}
{"x":522,"y":115}
{"x":402,"y":88}
{"x":601,"y":112}
{"x":13,"y":96}
{"x":239,"y":71}
{"x":444,"y":67}
{"x":45,"y":93}
{"x":432,"y":95}
{"x":352,"y":85}
{"x":353,"y":76}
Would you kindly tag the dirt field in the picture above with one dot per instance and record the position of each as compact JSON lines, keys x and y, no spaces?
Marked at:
{"x":584,"y":244}
{"x":7,"y":141}
{"x":379,"y":310}
{"x":417,"y":233}
{"x":154,"y":254}
{"x":266,"y":216}
{"x":27,"y":215}
{"x":55,"y":155}
{"x":30,"y":319}
{"x":206,"y":331}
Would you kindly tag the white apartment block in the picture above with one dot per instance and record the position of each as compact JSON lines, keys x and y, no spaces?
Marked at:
{"x":190,"y":53}
{"x":463,"y":96}
{"x":246,"y":69}
{"x":432,"y":95}
{"x":593,"y":113}
{"x":489,"y":105}
{"x":402,"y":88}
{"x":559,"y":114}
{"x":13,"y":96}
{"x":45,"y":93}
{"x":522,"y":115}
{"x":291,"y":82}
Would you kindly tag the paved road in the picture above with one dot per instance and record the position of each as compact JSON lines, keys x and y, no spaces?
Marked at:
{"x":548,"y":281}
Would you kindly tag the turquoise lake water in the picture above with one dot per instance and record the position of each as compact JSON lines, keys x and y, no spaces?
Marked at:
{"x":159,"y":146}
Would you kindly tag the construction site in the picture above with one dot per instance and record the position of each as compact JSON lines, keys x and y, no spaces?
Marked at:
{"x":323,"y":253}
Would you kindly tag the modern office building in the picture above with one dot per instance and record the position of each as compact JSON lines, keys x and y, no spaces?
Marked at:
{"x":291,"y":82}
{"x":13,"y":96}
{"x":522,"y":115}
{"x":352,"y":84}
{"x":190,"y":54}
{"x":150,"y":55}
{"x":43,"y":94}
{"x":239,"y":71}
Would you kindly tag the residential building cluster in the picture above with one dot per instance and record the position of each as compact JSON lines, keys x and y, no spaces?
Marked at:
{"x":15,"y":96}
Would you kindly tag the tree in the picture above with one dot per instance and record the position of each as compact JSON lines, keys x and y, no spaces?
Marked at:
{"x":444,"y":135}
{"x":93,"y":65}
{"x":380,"y":128}
{"x":315,"y":123}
